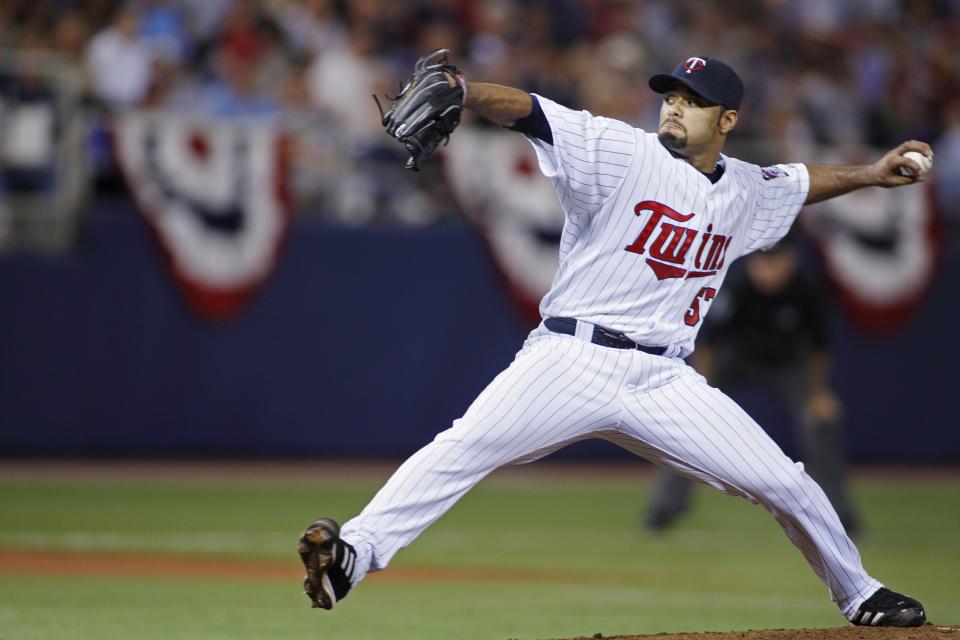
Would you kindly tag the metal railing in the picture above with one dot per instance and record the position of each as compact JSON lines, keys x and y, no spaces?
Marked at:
{"x":44,"y":175}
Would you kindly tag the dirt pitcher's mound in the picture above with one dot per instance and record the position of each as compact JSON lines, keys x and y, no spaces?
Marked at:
{"x":926,"y":632}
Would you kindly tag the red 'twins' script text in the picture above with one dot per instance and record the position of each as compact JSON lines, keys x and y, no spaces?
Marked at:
{"x":671,"y":243}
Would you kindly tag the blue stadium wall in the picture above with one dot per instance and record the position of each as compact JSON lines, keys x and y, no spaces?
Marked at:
{"x":365,"y":343}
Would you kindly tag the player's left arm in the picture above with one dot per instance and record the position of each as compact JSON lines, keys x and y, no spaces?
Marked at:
{"x":831,"y":181}
{"x":499,"y":104}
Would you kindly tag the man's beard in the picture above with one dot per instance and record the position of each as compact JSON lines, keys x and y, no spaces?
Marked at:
{"x":672,"y":141}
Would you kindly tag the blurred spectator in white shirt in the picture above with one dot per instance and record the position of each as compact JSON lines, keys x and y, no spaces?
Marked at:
{"x":119,"y":62}
{"x":341,"y":82}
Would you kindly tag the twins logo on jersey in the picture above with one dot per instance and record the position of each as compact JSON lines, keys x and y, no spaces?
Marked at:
{"x":771,"y":173}
{"x":671,"y":243}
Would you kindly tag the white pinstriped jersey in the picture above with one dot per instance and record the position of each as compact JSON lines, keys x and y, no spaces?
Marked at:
{"x":648,"y":238}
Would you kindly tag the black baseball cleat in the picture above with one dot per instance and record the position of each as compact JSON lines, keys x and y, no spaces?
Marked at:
{"x":330,"y":563}
{"x":887,"y":608}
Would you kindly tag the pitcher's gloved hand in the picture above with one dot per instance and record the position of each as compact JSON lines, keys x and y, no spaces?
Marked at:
{"x":428,"y":108}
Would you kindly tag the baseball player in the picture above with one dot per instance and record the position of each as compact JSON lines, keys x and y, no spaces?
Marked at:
{"x":653,"y":221}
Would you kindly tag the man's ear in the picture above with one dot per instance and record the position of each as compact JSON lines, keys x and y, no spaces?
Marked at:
{"x":727,"y":120}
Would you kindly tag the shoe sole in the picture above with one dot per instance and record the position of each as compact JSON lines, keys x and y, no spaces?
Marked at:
{"x":316,"y":552}
{"x":905,"y":618}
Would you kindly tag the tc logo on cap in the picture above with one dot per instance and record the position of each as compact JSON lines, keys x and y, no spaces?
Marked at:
{"x":694,"y":64}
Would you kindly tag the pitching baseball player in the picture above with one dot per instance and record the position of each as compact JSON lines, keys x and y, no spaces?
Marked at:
{"x":653,"y":222}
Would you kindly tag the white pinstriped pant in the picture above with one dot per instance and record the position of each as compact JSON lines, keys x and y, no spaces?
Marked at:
{"x":561,"y":389}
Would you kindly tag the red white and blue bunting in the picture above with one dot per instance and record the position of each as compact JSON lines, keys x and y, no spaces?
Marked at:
{"x":880,"y":249}
{"x":496,"y":181}
{"x":215,"y":194}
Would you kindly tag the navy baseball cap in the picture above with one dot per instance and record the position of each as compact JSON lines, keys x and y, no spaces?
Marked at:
{"x":716,"y":81}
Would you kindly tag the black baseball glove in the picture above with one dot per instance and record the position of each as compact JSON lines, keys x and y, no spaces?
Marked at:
{"x":427,"y":109}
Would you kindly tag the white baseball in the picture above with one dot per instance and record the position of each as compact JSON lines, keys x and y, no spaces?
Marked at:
{"x":922,"y":160}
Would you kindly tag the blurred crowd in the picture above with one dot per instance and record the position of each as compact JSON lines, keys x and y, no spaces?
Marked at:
{"x":817,"y":72}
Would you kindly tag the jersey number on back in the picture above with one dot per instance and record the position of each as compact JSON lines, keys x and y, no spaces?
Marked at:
{"x":692,"y":316}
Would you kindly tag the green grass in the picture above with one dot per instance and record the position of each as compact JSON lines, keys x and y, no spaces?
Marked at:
{"x":728,"y":566}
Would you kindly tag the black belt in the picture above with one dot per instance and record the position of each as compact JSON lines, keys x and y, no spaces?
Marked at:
{"x":601,"y":336}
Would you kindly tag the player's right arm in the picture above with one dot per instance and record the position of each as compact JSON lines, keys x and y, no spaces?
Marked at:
{"x":829,"y":182}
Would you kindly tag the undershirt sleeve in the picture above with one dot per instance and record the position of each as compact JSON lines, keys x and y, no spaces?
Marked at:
{"x":534,"y":124}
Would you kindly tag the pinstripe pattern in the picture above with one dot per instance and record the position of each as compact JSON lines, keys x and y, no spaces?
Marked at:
{"x":561,"y":389}
{"x":555,"y":392}
{"x":700,"y":432}
{"x":613,"y":182}
{"x":600,"y":169}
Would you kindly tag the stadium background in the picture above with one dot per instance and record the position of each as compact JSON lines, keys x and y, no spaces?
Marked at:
{"x":389,"y":304}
